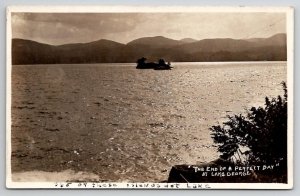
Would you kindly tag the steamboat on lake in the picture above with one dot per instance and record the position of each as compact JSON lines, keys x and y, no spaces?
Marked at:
{"x":161,"y":65}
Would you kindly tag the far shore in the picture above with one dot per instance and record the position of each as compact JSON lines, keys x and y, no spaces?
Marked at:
{"x":173,"y":63}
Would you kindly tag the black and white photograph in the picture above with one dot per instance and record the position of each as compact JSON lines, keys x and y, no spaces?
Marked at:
{"x":149,"y":97}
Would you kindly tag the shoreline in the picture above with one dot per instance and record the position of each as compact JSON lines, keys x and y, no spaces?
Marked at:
{"x":172,"y":63}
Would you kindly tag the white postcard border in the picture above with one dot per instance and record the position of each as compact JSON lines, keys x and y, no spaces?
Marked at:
{"x":151,"y":9}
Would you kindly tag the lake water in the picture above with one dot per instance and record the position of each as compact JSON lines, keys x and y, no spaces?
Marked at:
{"x":124,"y":124}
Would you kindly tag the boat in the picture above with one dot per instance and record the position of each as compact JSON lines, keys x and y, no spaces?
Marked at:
{"x":161,"y":65}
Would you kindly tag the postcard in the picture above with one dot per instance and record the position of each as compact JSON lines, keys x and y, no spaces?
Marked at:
{"x":134,"y":97}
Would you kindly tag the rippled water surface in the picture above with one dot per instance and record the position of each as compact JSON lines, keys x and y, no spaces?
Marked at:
{"x":124,"y":124}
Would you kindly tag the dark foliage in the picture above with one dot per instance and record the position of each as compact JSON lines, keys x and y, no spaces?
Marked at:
{"x":263,"y":131}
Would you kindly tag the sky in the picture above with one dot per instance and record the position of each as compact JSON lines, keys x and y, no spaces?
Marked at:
{"x":63,"y":28}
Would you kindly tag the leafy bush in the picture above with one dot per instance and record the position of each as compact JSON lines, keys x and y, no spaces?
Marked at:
{"x":262,"y":131}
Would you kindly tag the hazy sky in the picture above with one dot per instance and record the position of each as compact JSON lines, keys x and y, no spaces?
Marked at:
{"x":60,"y":28}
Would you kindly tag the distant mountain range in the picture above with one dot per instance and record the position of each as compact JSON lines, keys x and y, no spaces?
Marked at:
{"x":185,"y":50}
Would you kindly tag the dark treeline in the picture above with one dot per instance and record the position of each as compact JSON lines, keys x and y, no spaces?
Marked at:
{"x":106,"y":51}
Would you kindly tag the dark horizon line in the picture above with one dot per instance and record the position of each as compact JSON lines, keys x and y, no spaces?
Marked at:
{"x":196,"y":40}
{"x":241,"y":61}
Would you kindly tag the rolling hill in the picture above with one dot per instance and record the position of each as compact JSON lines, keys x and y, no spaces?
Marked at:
{"x":153,"y":48}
